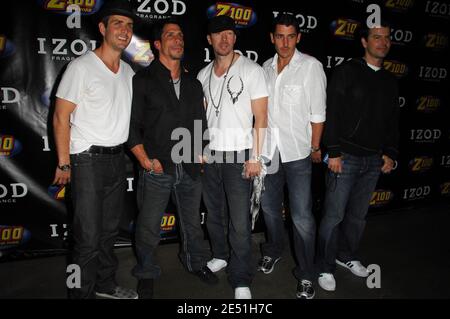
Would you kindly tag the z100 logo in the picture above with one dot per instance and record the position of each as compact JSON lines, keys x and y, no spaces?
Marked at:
{"x":428,"y":104}
{"x":421,"y":164}
{"x":140,"y":52}
{"x":167,"y":223}
{"x":57,"y":192}
{"x":243,"y":16}
{"x":7,"y":48}
{"x":60,"y":49}
{"x":436,"y":41}
{"x":416,"y":193}
{"x":306,"y":23}
{"x":344,"y":28}
{"x":425,"y":135}
{"x":397,"y":68}
{"x":438,"y":9}
{"x":13,"y":236}
{"x":381,"y":197}
{"x":160,"y":9}
{"x":9,"y":146}
{"x":435,"y":74}
{"x":399,"y":5}
{"x":87,"y":7}
{"x":445,"y":189}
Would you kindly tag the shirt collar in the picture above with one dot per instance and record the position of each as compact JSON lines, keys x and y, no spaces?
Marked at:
{"x":297,"y":59}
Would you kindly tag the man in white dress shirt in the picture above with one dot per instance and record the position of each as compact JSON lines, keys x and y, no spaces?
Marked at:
{"x":297,"y":96}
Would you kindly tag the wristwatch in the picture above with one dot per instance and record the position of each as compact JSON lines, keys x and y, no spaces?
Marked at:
{"x":314,"y":149}
{"x":65,"y":167}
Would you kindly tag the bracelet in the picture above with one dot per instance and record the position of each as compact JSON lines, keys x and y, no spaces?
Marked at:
{"x":314,"y":150}
{"x":257,"y":158}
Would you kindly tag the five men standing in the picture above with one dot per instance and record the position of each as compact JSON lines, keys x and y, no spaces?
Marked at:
{"x":236,"y":100}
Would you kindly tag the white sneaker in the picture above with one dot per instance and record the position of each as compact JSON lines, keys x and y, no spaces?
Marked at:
{"x":242,"y":293}
{"x":216,"y":264}
{"x":355,"y":267}
{"x":327,"y":282}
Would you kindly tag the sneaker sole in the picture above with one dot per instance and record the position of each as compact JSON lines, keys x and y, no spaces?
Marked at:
{"x":99,"y":294}
{"x":345,"y":266}
{"x":265,"y":271}
{"x":305,"y":297}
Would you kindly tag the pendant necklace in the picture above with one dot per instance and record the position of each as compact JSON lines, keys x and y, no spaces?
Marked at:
{"x":217,"y":107}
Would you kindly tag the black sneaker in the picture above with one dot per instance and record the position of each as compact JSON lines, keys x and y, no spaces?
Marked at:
{"x":305,"y":290}
{"x":206,"y":275}
{"x":267,"y":264}
{"x":145,"y":288}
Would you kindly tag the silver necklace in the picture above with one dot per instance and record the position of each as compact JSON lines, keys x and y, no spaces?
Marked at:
{"x":217,"y":107}
{"x":235,"y":95}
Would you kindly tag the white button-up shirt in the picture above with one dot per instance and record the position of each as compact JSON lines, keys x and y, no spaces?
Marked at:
{"x":297,"y":97}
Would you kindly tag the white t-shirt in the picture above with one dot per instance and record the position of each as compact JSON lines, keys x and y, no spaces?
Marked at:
{"x":231,"y":128}
{"x":297,"y":98}
{"x":103,"y":102}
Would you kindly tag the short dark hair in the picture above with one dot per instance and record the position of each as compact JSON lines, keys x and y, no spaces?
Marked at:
{"x":364,"y":29}
{"x":158,"y":27}
{"x":105,"y":21}
{"x":286,"y":19}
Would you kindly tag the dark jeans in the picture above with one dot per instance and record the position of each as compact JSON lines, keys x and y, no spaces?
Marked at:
{"x":347,"y":201}
{"x":297,"y":175}
{"x":98,"y":189}
{"x":154,"y":191}
{"x":223,"y":184}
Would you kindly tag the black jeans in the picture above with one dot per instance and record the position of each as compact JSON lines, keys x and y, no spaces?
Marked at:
{"x":222,"y":185}
{"x":154,"y":191}
{"x":98,"y":189}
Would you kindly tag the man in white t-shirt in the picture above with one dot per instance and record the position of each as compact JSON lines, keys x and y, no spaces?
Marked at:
{"x":91,"y":122}
{"x":235,"y":93}
{"x":297,"y":87}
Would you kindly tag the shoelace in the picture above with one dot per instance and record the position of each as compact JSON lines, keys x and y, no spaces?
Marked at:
{"x":306,"y":283}
{"x":267,"y":259}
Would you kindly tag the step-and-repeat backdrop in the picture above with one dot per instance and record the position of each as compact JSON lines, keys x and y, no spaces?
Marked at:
{"x":38,"y":38}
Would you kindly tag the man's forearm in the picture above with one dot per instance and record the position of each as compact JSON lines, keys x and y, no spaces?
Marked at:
{"x":62,"y":138}
{"x":317,"y":131}
{"x":259,"y":134}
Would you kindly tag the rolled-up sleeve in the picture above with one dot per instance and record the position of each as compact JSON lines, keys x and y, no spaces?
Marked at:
{"x":315,"y":87}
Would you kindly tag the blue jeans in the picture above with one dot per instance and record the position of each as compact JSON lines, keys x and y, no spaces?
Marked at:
{"x":154,"y":191}
{"x":98,"y":189}
{"x":224,"y":186}
{"x":347,"y":201}
{"x":297,"y":175}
